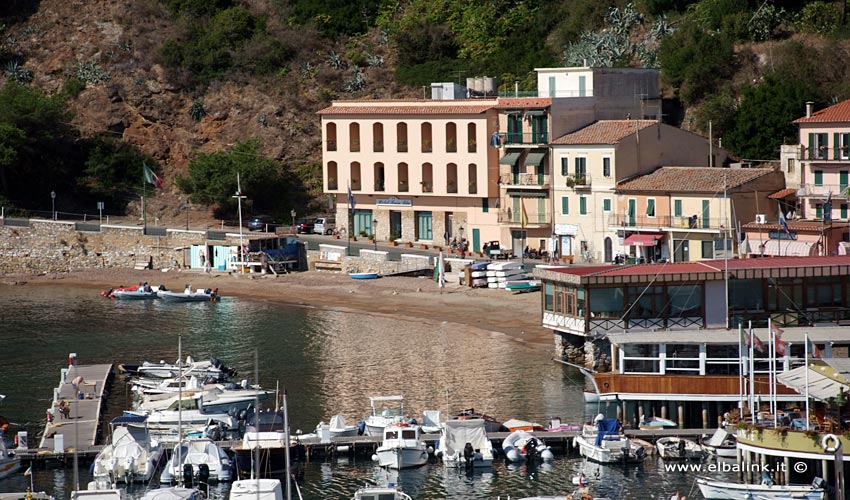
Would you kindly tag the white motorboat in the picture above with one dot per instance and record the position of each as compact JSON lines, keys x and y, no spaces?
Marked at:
{"x":464,"y":443}
{"x":189,"y":295}
{"x":174,"y":493}
{"x":256,"y":489}
{"x":211,"y":369}
{"x":264,"y":440}
{"x":676,"y":448}
{"x":722,"y":444}
{"x":605,"y":444}
{"x":131,"y":456}
{"x":717,"y":490}
{"x":151,"y":386}
{"x":9,"y":463}
{"x":207,"y":461}
{"x":139,"y":294}
{"x":192,"y":412}
{"x":389,"y":492}
{"x":402,"y":447}
{"x":99,"y":489}
{"x":337,"y":427}
{"x":522,"y":445}
{"x":384,"y":411}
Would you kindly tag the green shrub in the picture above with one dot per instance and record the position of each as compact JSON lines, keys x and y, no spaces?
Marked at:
{"x":818,"y":17}
{"x":197,"y":7}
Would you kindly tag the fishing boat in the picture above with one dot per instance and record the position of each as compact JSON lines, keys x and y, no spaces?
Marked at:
{"x":717,"y":490}
{"x":131,"y":456}
{"x":522,"y":446}
{"x":363,"y":276}
{"x":203,"y":459}
{"x":388,"y":492}
{"x":384,"y":411}
{"x":188,"y":295}
{"x":605,"y":444}
{"x":402,"y":447}
{"x":464,"y":443}
{"x":676,"y":448}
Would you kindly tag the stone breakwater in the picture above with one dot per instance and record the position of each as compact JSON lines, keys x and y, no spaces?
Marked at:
{"x":45,"y":246}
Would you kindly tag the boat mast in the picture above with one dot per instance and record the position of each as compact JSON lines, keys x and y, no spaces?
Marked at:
{"x":286,"y":445}
{"x":256,"y":455}
{"x":179,"y":407}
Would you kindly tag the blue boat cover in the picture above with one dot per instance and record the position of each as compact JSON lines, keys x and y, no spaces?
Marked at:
{"x":607,"y":427}
{"x":129,"y":420}
{"x":479,"y":266}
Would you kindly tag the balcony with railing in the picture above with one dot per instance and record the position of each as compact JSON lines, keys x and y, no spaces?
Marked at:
{"x":526,"y":138}
{"x":666,"y":221}
{"x":579,"y":182}
{"x":823,"y":191}
{"x":825,"y":154}
{"x":514,"y":218}
{"x":524,"y":180}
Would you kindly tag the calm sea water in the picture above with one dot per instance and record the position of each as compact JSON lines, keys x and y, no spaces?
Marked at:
{"x":330,"y":362}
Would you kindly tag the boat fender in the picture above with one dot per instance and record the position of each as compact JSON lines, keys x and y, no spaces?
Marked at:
{"x":547,"y":455}
{"x":374,"y":457}
{"x":430,"y":450}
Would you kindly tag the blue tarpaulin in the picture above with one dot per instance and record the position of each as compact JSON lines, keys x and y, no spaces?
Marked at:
{"x":607,"y":427}
{"x":129,"y":420}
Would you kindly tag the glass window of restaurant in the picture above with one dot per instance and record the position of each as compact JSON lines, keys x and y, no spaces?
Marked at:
{"x":745,"y":295}
{"x":605,"y":302}
{"x":559,"y":298}
{"x":824,"y":291}
{"x":640,"y":358}
{"x":684,"y":301}
{"x":645,"y":301}
{"x":682,"y":358}
{"x":722,"y":359}
{"x":548,"y":296}
{"x":570,"y":300}
{"x":784,"y":294}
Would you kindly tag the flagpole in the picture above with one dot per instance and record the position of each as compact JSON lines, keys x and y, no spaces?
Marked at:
{"x":752,"y":371}
{"x":806,"y":350}
{"x":144,"y":201}
{"x":741,"y":371}
{"x":348,"y":250}
{"x":772,"y":367}
{"x":522,"y":217}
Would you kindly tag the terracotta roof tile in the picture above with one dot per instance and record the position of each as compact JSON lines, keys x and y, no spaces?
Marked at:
{"x":793,"y":225}
{"x":692,"y":179}
{"x":524,"y":102}
{"x":782,"y":193}
{"x":604,"y":132}
{"x":401,"y":109}
{"x":836,"y":113}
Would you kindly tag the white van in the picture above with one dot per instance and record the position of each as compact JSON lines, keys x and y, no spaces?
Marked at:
{"x":324,"y":225}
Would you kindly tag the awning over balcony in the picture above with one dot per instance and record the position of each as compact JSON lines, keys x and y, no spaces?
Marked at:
{"x":534,"y":158}
{"x":642,"y":240}
{"x":509,"y":158}
{"x":784,"y":248}
{"x":783,"y":193}
{"x":821,"y":386}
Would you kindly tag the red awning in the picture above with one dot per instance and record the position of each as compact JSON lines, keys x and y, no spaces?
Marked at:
{"x":783,"y":193}
{"x":642,"y":240}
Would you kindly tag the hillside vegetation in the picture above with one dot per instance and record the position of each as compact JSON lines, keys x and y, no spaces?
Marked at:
{"x":198,"y":90}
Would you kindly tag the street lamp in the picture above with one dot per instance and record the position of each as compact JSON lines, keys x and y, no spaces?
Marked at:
{"x":462,"y":246}
{"x":53,"y":203}
{"x":292,"y":213}
{"x":375,"y":233}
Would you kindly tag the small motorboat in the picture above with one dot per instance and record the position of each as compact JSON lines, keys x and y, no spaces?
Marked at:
{"x":9,"y":463}
{"x":99,"y":489}
{"x":520,"y":446}
{"x":363,"y":276}
{"x":676,"y":448}
{"x":388,"y":492}
{"x":523,"y":285}
{"x":256,"y":489}
{"x":188,"y":295}
{"x":384,"y":411}
{"x":717,"y":490}
{"x":174,"y":493}
{"x":653,"y":423}
{"x":491,"y":424}
{"x":721,"y":444}
{"x":604,"y":443}
{"x":202,"y":459}
{"x":464,"y":443}
{"x":212,"y":369}
{"x":522,"y":425}
{"x":131,"y":456}
{"x":337,"y":427}
{"x":402,"y":447}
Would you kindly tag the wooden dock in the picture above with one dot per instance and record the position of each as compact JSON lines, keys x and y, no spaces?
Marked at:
{"x":85,"y":399}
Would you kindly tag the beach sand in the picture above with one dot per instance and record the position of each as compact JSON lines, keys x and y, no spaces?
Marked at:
{"x":516,"y":316}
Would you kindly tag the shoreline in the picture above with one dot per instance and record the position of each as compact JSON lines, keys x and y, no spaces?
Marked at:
{"x":515,"y":316}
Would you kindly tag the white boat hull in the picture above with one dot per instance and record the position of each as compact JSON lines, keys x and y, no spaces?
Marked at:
{"x":670,"y":449}
{"x":610,"y":452}
{"x":402,"y":457}
{"x":718,"y":490}
{"x":256,"y":489}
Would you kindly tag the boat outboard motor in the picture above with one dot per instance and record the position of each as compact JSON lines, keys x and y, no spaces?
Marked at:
{"x":468,"y":454}
{"x":203,"y":473}
{"x":640,"y":453}
{"x":361,"y":428}
{"x":188,"y":474}
{"x":531,"y":449}
{"x":681,"y":448}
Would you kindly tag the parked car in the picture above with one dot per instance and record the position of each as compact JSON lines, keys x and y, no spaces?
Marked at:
{"x":324,"y":225}
{"x":492,"y":250}
{"x":305,"y":226}
{"x":262,"y":223}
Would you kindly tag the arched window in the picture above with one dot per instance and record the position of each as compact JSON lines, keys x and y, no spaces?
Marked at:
{"x":330,"y":133}
{"x":401,"y":137}
{"x":354,"y":137}
{"x":333,"y":176}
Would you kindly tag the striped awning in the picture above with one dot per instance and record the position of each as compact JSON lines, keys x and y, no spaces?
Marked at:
{"x":784,"y":248}
{"x":822,"y":383}
{"x":534,"y":158}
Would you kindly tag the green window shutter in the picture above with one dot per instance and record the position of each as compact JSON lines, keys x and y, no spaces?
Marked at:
{"x":650,"y":208}
{"x":606,"y":205}
{"x":677,"y":208}
{"x":819,"y":211}
{"x":485,"y":205}
{"x":565,"y":166}
{"x":582,"y":205}
{"x":565,"y":205}
{"x":843,"y":210}
{"x":541,"y":210}
{"x":837,"y":152}
{"x":818,"y":177}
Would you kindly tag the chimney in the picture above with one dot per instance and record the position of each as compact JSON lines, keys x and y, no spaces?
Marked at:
{"x":809,"y":105}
